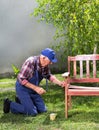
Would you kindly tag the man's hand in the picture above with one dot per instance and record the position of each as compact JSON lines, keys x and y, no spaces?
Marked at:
{"x":40,"y":90}
{"x":37,"y":89}
{"x":53,"y":79}
{"x":62,"y":84}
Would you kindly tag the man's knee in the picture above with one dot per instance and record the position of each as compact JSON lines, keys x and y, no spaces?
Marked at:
{"x":42,"y":109}
{"x":31,"y":111}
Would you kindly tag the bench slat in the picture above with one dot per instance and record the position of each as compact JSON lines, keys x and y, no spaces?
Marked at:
{"x":83,"y":92}
{"x":84,"y":80}
{"x":82,"y":87}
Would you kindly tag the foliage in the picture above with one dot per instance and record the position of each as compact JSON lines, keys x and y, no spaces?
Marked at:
{"x":15,"y":70}
{"x":76,"y":23}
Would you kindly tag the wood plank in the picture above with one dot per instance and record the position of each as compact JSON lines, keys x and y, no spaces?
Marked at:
{"x":87,"y":69}
{"x":81,"y":69}
{"x":83,"y":92}
{"x":94,"y":69}
{"x":74,"y":67}
{"x":83,"y":87}
{"x":84,"y":80}
{"x":84,"y":57}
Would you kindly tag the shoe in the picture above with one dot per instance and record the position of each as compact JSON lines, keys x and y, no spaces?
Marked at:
{"x":17,"y":100}
{"x":6,"y":105}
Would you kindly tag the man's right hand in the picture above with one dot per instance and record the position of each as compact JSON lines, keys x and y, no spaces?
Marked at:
{"x":37,"y":89}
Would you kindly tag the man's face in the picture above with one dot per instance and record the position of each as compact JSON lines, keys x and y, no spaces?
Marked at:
{"x":45,"y":62}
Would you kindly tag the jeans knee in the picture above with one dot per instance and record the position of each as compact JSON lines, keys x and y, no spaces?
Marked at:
{"x":32,"y":112}
{"x":42,"y":110}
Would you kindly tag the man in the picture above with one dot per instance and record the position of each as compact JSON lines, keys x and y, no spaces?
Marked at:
{"x":29,"y":92}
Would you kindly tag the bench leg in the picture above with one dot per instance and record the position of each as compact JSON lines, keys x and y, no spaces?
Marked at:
{"x":66,"y":106}
{"x":67,"y":101}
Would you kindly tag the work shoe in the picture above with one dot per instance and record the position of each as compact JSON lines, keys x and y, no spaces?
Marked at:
{"x":17,"y":100}
{"x":6,"y":105}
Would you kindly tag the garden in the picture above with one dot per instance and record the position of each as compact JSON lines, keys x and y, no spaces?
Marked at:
{"x":83,"y":115}
{"x":77,"y":32}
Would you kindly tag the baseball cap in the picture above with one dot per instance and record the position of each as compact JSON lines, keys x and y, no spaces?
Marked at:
{"x":48,"y":52}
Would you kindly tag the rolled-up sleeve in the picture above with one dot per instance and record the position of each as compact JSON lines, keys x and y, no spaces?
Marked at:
{"x":23,"y":82}
{"x":26,"y":72}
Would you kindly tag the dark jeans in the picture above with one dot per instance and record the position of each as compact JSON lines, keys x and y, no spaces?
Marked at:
{"x":31,"y":102}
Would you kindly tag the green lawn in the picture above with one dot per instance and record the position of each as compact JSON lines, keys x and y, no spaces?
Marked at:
{"x":84,"y":114}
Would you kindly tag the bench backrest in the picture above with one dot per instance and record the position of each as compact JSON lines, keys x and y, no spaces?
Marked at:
{"x":83,"y":68}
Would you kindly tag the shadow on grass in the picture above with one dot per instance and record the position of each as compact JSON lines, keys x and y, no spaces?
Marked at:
{"x":83,"y":116}
{"x":14,"y":119}
{"x":9,"y":117}
{"x":55,"y":97}
{"x":76,"y":117}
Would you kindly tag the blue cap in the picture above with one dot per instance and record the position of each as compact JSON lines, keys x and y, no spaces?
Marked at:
{"x":48,"y":52}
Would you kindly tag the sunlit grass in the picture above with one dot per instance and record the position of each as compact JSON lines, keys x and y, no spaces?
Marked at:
{"x":84,"y":114}
{"x":7,"y":80}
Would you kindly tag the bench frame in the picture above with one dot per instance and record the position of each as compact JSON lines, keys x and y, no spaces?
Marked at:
{"x":89,"y":77}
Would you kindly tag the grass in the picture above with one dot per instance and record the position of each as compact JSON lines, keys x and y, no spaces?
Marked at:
{"x":84,"y":114}
{"x":6,"y":83}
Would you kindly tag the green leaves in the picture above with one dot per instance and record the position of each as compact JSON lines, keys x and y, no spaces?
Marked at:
{"x":15,"y":70}
{"x":76,"y":21}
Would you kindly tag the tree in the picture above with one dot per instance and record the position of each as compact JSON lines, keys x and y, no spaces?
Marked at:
{"x":76,"y":23}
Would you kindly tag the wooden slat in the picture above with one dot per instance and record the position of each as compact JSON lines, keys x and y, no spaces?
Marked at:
{"x":87,"y":69}
{"x":84,"y":57}
{"x":83,"y":92}
{"x":74,"y":67}
{"x":81,"y":69}
{"x":84,"y":80}
{"x":94,"y":69}
{"x":83,"y":87}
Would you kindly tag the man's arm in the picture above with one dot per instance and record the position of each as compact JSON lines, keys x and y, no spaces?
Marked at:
{"x":53,"y":79}
{"x":38,"y":89}
{"x":26,"y":73}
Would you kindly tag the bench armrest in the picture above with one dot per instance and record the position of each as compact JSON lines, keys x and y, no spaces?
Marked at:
{"x":66,"y":74}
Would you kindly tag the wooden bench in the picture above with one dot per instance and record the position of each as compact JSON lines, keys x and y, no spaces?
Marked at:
{"x":81,"y":69}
